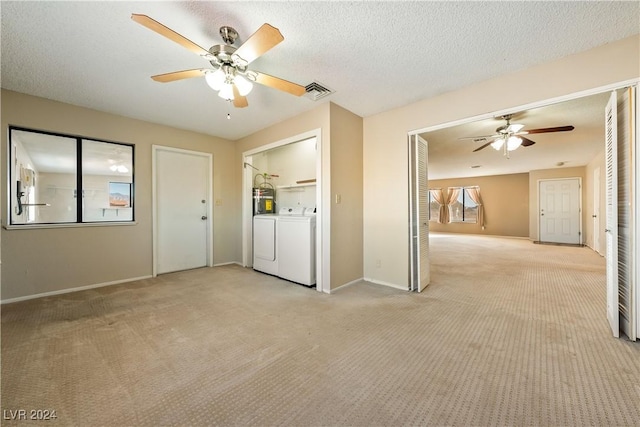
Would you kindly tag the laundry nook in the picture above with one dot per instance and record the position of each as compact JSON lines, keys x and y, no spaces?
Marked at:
{"x":284,"y":211}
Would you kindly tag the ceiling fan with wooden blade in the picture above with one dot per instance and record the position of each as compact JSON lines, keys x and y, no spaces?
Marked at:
{"x":230,"y":75}
{"x":511,"y":136}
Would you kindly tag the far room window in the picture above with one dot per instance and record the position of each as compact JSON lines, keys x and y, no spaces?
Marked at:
{"x":434,"y":207}
{"x":64,"y":179}
{"x":463,"y":208}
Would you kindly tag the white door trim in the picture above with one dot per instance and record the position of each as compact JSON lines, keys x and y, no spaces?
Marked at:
{"x":154,"y":150}
{"x":532,"y":105}
{"x":580,"y":233}
{"x":635,"y":220}
{"x":323,"y":205}
{"x":596,"y":211}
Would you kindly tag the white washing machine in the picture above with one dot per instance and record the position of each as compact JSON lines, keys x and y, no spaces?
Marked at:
{"x":296,"y":246}
{"x":265,"y":250}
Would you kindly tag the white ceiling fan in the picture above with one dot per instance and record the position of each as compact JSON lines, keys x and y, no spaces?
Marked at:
{"x":230,"y":75}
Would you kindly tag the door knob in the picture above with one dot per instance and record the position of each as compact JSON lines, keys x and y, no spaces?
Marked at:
{"x":594,"y":216}
{"x":203,"y":217}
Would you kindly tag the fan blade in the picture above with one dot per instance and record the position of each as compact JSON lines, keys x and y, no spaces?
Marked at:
{"x":179,"y":75}
{"x":514,"y":128}
{"x":526,"y":142}
{"x":239,"y":101}
{"x":483,"y":146}
{"x":482,"y":137}
{"x":154,"y":25}
{"x":547,"y":130}
{"x":259,"y":42}
{"x":280,"y":84}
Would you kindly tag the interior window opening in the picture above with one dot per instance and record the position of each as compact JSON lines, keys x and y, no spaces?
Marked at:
{"x":63,"y":179}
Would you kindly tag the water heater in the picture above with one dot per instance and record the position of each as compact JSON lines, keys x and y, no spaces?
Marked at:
{"x":264,"y":201}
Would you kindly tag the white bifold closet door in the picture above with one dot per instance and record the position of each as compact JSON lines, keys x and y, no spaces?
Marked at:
{"x":621,"y":219}
{"x":626,"y":214}
{"x":419,"y":274}
{"x":611,"y":236}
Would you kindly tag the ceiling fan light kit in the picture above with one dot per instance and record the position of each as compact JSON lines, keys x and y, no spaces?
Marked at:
{"x":244,"y":86}
{"x":513,"y":142}
{"x":230,"y":76}
{"x":226,"y":92}
{"x":215,"y":79}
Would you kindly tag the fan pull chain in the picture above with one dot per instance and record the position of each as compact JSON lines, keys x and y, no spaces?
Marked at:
{"x":229,"y":106}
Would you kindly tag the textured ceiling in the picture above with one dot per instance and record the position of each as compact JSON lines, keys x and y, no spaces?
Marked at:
{"x":375,"y":55}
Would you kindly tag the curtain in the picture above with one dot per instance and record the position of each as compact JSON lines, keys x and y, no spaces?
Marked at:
{"x":436,"y":194}
{"x":454,"y":192}
{"x":474,"y":193}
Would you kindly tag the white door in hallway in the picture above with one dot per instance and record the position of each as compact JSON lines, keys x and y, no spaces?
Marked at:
{"x":182,"y":220}
{"x":559,"y":201}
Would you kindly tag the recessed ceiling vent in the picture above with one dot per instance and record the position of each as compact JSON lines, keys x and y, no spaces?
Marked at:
{"x":316,"y":91}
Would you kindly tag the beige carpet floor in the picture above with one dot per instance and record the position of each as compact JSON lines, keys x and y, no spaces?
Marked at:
{"x":508,"y":333}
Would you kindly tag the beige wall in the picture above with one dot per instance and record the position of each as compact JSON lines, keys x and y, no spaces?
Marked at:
{"x":597,"y":163}
{"x":536,"y":176}
{"x":506,"y":205}
{"x":46,"y":260}
{"x":318,"y":118}
{"x":346,"y":182}
{"x":384,"y":173}
{"x":385,"y":138}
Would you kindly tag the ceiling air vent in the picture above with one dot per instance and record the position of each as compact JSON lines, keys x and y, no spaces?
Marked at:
{"x":316,"y":91}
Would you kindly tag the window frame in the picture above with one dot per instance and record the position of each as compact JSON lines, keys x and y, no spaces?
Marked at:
{"x":464,"y":198}
{"x":80,"y":214}
{"x":430,"y":200}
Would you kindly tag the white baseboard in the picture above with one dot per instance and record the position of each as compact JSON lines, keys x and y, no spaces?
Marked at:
{"x":391,"y":285}
{"x":69,"y":290}
{"x":228,"y":263}
{"x":347,"y":284}
{"x":446,"y":233}
{"x":589,"y":246}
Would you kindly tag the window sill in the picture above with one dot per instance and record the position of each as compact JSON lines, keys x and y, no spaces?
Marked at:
{"x":69,"y":225}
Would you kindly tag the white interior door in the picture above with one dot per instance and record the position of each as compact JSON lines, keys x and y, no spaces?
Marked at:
{"x":182,"y":182}
{"x":419,"y":269}
{"x":596,"y":210}
{"x":559,"y":201}
{"x":611,"y":231}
